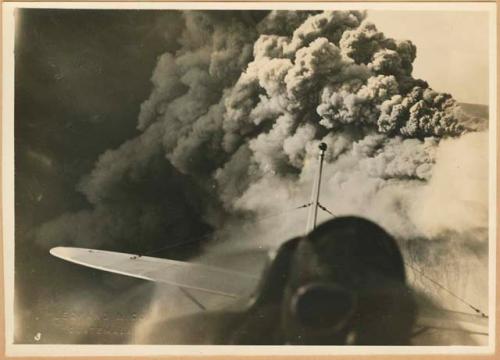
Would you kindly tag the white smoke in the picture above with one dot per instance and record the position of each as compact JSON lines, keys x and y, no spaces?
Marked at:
{"x":456,"y":196}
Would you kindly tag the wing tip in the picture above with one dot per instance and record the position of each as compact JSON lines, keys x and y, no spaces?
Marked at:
{"x":63,"y":252}
{"x":56,"y":251}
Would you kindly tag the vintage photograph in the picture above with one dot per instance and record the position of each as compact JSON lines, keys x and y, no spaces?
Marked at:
{"x":252,"y":175}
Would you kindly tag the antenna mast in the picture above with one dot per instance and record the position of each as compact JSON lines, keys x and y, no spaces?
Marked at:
{"x":313,"y":212}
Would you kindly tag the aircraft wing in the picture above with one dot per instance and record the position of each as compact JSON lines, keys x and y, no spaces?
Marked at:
{"x":450,"y":328}
{"x":453,"y":320}
{"x":236,"y":284}
{"x":182,"y":274}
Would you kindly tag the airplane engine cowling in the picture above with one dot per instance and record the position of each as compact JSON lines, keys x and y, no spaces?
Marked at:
{"x":343,"y":283}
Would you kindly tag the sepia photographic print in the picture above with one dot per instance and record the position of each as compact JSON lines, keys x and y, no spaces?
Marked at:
{"x":249,"y":178}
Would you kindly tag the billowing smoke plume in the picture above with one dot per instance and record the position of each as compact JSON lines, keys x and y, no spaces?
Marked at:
{"x":255,"y":104}
{"x":239,"y":111}
{"x":137,"y":197}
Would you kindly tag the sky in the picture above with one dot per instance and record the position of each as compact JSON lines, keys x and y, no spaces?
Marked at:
{"x":452,"y":48}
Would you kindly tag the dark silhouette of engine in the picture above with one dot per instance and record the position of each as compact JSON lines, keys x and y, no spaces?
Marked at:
{"x":342,"y":284}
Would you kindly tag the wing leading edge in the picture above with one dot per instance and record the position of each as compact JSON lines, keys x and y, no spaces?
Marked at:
{"x":182,"y":274}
